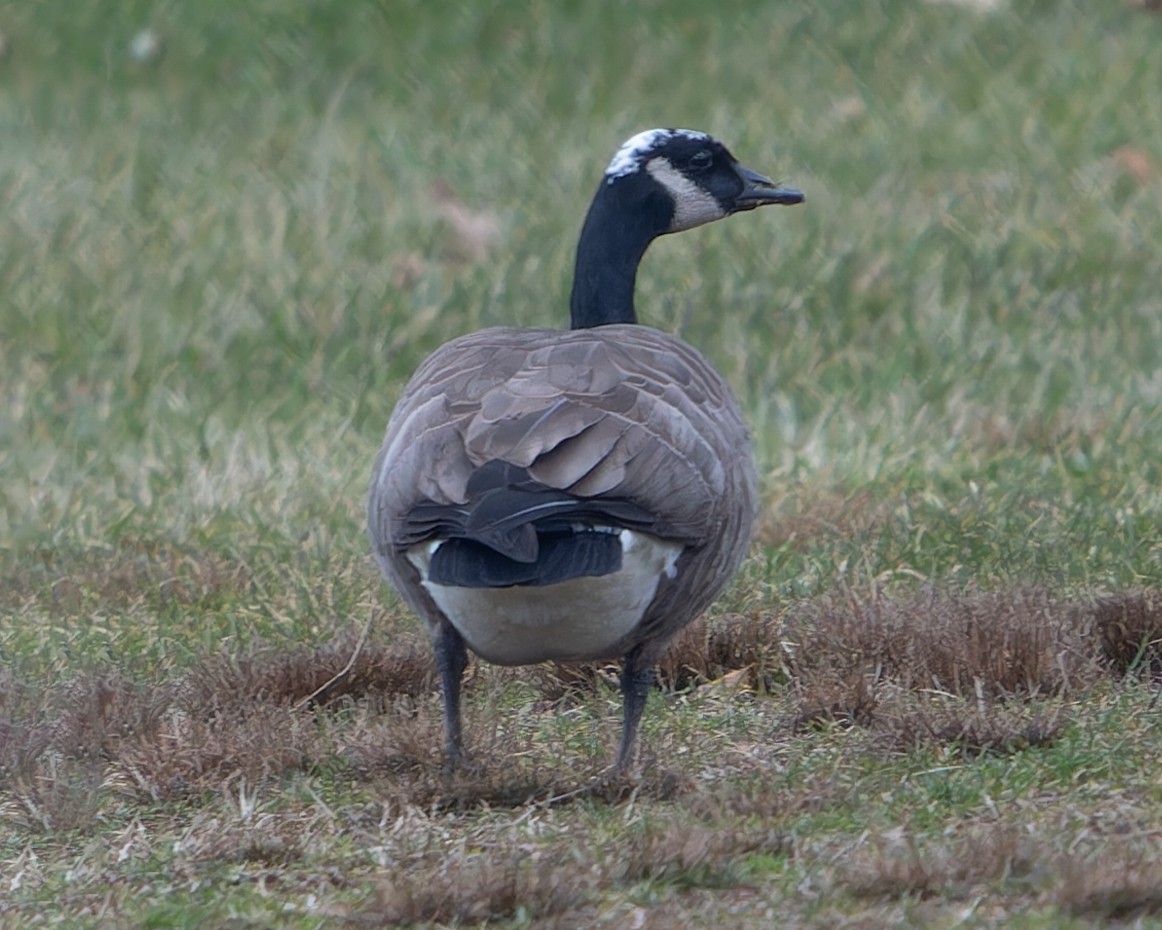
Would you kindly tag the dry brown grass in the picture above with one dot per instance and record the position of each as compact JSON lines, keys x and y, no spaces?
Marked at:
{"x":897,"y":865}
{"x":473,"y":889}
{"x":559,"y":878}
{"x":907,"y":724}
{"x":1129,"y":626}
{"x":705,"y":651}
{"x":350,"y":667}
{"x":1059,"y":869}
{"x":918,"y":669}
{"x":972,"y":670}
{"x":251,"y":717}
{"x":1122,"y":883}
{"x":978,"y":645}
{"x":712,"y":647}
{"x":969,"y":644}
{"x":538,"y":834}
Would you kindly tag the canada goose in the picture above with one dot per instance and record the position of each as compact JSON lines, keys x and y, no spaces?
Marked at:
{"x":584,"y":494}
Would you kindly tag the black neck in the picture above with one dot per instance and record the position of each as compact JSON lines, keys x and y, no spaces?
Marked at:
{"x":624,"y":218}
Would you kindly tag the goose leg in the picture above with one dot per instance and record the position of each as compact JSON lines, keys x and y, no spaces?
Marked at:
{"x":451,"y":660}
{"x":636,"y":680}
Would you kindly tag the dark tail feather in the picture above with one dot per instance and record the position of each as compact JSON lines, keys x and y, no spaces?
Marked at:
{"x":466,"y":563}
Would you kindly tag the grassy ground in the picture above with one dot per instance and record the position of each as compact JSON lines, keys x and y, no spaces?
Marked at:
{"x":923,"y":701}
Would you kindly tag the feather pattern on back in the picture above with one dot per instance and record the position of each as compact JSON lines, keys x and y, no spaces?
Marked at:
{"x":618,"y":411}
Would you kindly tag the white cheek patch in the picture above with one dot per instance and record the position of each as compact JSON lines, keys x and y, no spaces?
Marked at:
{"x":693,"y":205}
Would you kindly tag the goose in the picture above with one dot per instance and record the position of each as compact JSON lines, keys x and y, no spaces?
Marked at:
{"x":582,"y":494}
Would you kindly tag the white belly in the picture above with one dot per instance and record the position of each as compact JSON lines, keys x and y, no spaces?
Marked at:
{"x":582,"y":618}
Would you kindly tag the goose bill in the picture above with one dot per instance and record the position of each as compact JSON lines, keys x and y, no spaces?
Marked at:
{"x":760,"y":190}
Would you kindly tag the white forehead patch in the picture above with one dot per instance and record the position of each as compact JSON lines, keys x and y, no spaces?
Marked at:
{"x":693,"y":204}
{"x":628,"y":158}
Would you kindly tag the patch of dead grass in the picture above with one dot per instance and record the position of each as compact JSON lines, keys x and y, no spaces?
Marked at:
{"x":983,"y":672}
{"x":841,"y":695}
{"x":971,"y":643}
{"x":708,"y":649}
{"x":955,"y":669}
{"x":252,"y":717}
{"x":978,"y":645}
{"x":899,"y":864}
{"x":1129,"y":627}
{"x":1119,"y":879}
{"x":55,"y":744}
{"x":918,"y":668}
{"x":350,"y":667}
{"x":715,"y":646}
{"x":556,"y":878}
{"x":192,"y":754}
{"x":1122,"y":882}
{"x":471,"y":889}
{"x":755,"y":798}
{"x":908,"y":723}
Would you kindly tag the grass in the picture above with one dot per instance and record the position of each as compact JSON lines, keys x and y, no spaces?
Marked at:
{"x":928,"y":697}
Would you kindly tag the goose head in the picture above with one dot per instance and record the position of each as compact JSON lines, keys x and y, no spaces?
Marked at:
{"x":693,"y":174}
{"x":659,"y":181}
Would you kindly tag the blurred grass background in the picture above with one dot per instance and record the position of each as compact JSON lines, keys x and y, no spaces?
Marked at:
{"x":219,"y":264}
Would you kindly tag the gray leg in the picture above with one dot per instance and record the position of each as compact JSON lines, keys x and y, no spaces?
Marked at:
{"x":451,"y":660}
{"x":636,"y":680}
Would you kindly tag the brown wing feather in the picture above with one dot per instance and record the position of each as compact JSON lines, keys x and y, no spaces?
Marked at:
{"x":624,"y":411}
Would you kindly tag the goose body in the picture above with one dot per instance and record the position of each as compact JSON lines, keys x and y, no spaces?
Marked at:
{"x":583,"y":494}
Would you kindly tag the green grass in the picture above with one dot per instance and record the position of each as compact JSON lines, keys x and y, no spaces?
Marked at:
{"x":218,"y":268}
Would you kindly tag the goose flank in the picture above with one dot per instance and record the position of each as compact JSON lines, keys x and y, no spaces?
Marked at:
{"x":576,"y":494}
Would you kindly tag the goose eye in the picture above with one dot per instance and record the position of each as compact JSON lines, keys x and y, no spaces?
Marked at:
{"x":701,"y":160}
